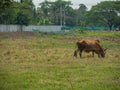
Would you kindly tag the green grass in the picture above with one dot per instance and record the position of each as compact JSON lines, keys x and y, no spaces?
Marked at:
{"x":45,"y":62}
{"x":103,"y":33}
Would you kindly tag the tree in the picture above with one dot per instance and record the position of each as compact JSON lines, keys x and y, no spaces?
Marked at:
{"x":44,"y":11}
{"x":28,"y":8}
{"x":58,"y":12}
{"x":9,"y":9}
{"x":104,"y":13}
{"x":6,"y":11}
{"x":81,"y":11}
{"x":21,"y":20}
{"x":5,"y":3}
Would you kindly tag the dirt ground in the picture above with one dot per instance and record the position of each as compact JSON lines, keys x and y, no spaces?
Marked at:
{"x":15,"y":35}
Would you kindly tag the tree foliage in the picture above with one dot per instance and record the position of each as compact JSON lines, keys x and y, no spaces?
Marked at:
{"x":104,"y":13}
{"x":6,"y":11}
{"x":21,"y":19}
{"x":80,"y":12}
{"x":59,"y":12}
{"x":56,"y":12}
{"x":10,"y":9}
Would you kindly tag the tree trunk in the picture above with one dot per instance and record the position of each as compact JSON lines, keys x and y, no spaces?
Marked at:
{"x":21,"y":29}
{"x":110,"y":27}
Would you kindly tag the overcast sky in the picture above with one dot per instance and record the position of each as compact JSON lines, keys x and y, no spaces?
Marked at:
{"x":88,"y":3}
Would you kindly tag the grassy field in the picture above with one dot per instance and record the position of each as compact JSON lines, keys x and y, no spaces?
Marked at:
{"x":42,"y":61}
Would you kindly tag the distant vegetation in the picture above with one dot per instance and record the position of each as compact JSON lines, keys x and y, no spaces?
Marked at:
{"x":60,"y":12}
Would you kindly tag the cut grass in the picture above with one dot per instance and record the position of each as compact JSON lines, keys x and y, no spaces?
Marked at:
{"x":47,"y":63}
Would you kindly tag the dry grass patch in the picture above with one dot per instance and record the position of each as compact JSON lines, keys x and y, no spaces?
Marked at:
{"x":47,"y":63}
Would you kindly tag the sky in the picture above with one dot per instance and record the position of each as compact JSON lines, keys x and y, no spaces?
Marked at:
{"x":88,"y":3}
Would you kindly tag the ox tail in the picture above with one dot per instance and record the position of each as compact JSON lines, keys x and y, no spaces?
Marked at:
{"x":75,"y":53}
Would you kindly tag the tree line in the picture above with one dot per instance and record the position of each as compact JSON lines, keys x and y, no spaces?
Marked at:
{"x":59,"y":12}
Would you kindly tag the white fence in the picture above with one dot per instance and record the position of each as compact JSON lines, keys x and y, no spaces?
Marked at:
{"x":14,"y":28}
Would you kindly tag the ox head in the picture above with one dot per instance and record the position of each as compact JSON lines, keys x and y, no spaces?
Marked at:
{"x":103,"y":52}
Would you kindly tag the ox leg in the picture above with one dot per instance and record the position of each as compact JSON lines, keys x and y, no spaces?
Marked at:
{"x":92,"y":53}
{"x":80,"y":53}
{"x":99,"y":55}
{"x":75,"y":53}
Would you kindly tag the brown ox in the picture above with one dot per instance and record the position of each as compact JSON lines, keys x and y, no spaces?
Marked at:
{"x":89,"y":46}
